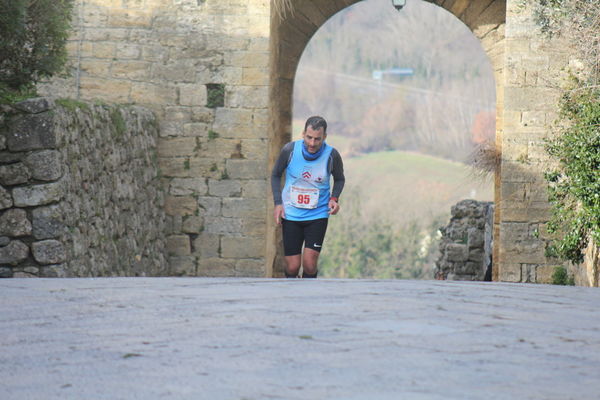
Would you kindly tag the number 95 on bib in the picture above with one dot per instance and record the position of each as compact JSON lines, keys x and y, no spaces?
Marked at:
{"x":303,"y":197}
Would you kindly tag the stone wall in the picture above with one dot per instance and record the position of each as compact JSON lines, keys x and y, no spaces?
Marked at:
{"x":79,"y":192}
{"x":202,"y":67}
{"x":466,"y":244}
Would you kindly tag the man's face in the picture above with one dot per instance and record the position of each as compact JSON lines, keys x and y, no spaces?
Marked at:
{"x":313,"y":139}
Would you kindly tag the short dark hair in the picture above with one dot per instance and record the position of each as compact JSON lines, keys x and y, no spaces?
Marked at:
{"x":316,"y":123}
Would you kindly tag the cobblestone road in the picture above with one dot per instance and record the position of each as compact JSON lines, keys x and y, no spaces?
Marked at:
{"x":196,"y":338}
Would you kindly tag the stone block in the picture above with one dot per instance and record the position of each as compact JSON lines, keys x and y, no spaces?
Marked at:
{"x":248,"y":97}
{"x":4,"y":241}
{"x":14,"y":223}
{"x":243,"y":247}
{"x":206,"y":245}
{"x":38,"y":195}
{"x":207,"y":167}
{"x":177,"y":147}
{"x":32,"y":132}
{"x":224,"y":188}
{"x":244,"y":208}
{"x":128,"y":51}
{"x":96,"y":68}
{"x":254,"y":226}
{"x":14,"y":174}
{"x":35,"y":105}
{"x":246,"y":169}
{"x":255,"y":76}
{"x":148,"y":93}
{"x":174,"y":167}
{"x":178,"y":245}
{"x":6,"y":272}
{"x":255,"y":188}
{"x":103,"y":50}
{"x":105,"y":89}
{"x":216,"y":267}
{"x":203,"y":114}
{"x":192,"y":95}
{"x":132,"y":69}
{"x":474,"y":238}
{"x":14,"y":253}
{"x":196,"y":129}
{"x":45,"y":165}
{"x":180,"y":205}
{"x":457,"y":252}
{"x":193,"y":224}
{"x":49,"y":252}
{"x":509,"y":272}
{"x":209,"y":206}
{"x":188,"y":186}
{"x":6,"y":200}
{"x":47,"y":222}
{"x":128,"y":18}
{"x":182,"y":266}
{"x":255,"y":149}
{"x":250,"y":268}
{"x":222,"y":225}
{"x":53,"y":271}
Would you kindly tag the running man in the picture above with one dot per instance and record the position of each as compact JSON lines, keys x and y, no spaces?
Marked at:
{"x":305,"y":203}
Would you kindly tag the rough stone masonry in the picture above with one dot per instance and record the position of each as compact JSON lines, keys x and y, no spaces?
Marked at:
{"x":79,"y":191}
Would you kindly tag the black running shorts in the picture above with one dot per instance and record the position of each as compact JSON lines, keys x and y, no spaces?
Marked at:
{"x":310,"y":233}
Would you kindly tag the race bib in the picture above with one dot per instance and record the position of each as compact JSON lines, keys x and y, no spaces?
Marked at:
{"x":303,"y":197}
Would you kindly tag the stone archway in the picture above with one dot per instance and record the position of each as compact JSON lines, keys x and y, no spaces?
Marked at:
{"x":291,"y":32}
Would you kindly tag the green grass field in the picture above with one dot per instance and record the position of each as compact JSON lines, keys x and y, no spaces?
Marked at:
{"x":401,"y":186}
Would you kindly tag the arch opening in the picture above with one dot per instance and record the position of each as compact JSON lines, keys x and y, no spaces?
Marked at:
{"x":290,"y":36}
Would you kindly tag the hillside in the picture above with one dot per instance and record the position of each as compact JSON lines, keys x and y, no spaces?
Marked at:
{"x":392,"y":206}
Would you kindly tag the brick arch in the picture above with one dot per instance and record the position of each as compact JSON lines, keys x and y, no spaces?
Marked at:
{"x":291,"y":32}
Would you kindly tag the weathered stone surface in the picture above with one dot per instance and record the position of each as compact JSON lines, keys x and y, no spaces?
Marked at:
{"x":38,"y":195}
{"x":188,"y":186}
{"x":47,"y":222}
{"x":35,"y":105}
{"x":14,"y":253}
{"x":14,"y":174}
{"x":6,"y":200}
{"x":6,"y":272}
{"x":224,"y":188}
{"x":466,"y":245}
{"x":4,"y":240}
{"x":222,"y":225}
{"x":49,"y":252}
{"x":242,"y":247}
{"x":53,"y":271}
{"x":45,"y":165}
{"x":193,"y":224}
{"x":180,"y":205}
{"x":182,"y":266}
{"x":457,"y":252}
{"x":32,"y":132}
{"x":178,"y":245}
{"x":14,"y":223}
{"x":206,"y":245}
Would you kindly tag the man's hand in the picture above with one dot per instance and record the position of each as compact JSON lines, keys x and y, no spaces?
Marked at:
{"x":278,"y":213}
{"x":334,"y":207}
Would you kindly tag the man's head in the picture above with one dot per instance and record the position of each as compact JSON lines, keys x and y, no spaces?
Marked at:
{"x":315,"y":133}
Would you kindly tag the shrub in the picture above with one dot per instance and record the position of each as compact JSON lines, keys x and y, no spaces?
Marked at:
{"x":33,"y":34}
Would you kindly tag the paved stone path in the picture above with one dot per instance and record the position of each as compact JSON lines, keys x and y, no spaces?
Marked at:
{"x":195,"y":338}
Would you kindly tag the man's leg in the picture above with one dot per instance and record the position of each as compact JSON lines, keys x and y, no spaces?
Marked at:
{"x":314,"y":234}
{"x":293,"y":237}
{"x":309,"y":263}
{"x":292,"y":266}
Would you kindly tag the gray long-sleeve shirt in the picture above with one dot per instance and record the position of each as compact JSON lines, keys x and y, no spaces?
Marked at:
{"x":335,"y":166}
